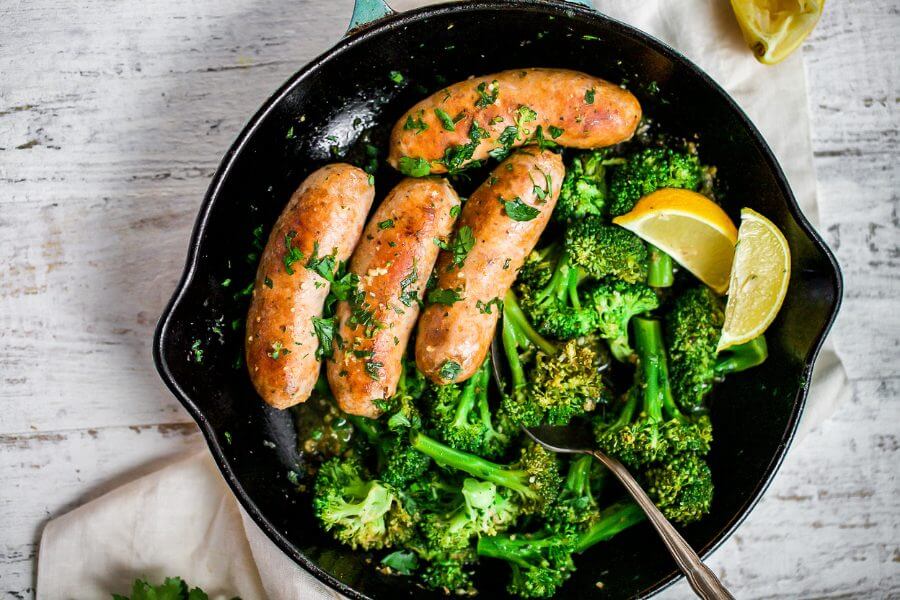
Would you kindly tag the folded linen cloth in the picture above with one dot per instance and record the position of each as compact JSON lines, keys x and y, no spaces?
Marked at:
{"x":183,"y":520}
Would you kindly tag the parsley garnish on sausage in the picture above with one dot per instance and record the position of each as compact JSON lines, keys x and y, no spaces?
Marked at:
{"x":487,"y":94}
{"x":414,"y":167}
{"x":450,"y":370}
{"x":445,"y":297}
{"x":324,"y":330}
{"x":518,"y":210}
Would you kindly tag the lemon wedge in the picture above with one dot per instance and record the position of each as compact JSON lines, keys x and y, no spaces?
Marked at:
{"x":775,"y":28}
{"x":690,"y":228}
{"x":759,"y":280}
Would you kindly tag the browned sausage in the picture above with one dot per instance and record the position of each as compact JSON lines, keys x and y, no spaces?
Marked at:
{"x":572,"y":108}
{"x":393,"y":262}
{"x":327,"y":211}
{"x":452,"y":341}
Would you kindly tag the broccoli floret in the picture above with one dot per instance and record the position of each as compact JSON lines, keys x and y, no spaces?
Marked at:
{"x":603,"y":250}
{"x":565,"y":381}
{"x":681,"y":488}
{"x":658,"y":431}
{"x":567,"y":384}
{"x":693,"y":327}
{"x":616,"y":303}
{"x":549,"y":286}
{"x":540,"y":562}
{"x":451,"y":575}
{"x":481,"y":509}
{"x":577,"y":504}
{"x":648,"y":171}
{"x":534,"y":477}
{"x":461,"y":416}
{"x":583,"y":190}
{"x":359,"y":512}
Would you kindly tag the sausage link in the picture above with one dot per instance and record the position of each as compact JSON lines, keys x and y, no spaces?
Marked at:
{"x":574,"y":109}
{"x":393,"y":262}
{"x":452,"y":341}
{"x":325,"y":214}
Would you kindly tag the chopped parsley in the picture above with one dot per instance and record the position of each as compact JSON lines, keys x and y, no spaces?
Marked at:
{"x":225,"y":282}
{"x":293,"y":253}
{"x":363,"y":353}
{"x":396,"y":77}
{"x":414,"y":167}
{"x":555,"y":132}
{"x":454,"y":212}
{"x":386,"y":224}
{"x":462,"y":243}
{"x":245,"y":292}
{"x":290,"y":133}
{"x":197,"y":352}
{"x":487,"y":94}
{"x":539,"y":139}
{"x":450,"y":370}
{"x":445,"y":297}
{"x":401,"y":562}
{"x":589,"y":96}
{"x":518,"y":210}
{"x":506,"y":263}
{"x":513,"y":133}
{"x":417,"y":124}
{"x":456,"y":157}
{"x":542,"y":193}
{"x":408,"y":293}
{"x":324,"y":266}
{"x":372,"y":368}
{"x":268,"y":282}
{"x":445,"y":119}
{"x":324,"y":329}
{"x":485,"y":307}
{"x":278,"y":350}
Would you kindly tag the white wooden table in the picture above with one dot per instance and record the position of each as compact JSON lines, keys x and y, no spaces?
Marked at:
{"x":113,"y":117}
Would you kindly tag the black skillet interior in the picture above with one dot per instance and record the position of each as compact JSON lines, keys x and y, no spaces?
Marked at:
{"x":348,"y":98}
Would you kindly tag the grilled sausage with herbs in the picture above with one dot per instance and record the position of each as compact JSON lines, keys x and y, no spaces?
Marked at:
{"x":499,"y":225}
{"x":392,"y":263}
{"x":323,"y":218}
{"x":488,"y":116}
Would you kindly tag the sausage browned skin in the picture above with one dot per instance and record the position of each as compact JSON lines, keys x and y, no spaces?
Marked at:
{"x":393,"y":262}
{"x":327,"y":211}
{"x":453,"y":340}
{"x":572,"y":108}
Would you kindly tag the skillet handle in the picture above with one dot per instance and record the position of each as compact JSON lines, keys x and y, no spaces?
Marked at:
{"x":369,"y":11}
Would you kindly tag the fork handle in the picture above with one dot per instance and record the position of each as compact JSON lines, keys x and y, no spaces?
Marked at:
{"x":701,"y":579}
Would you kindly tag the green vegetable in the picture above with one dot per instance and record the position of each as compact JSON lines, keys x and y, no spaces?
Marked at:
{"x":446,"y":297}
{"x":172,"y":589}
{"x":445,"y":119}
{"x":414,"y":167}
{"x":518,"y":210}
{"x":649,"y":170}
{"x":606,"y":250}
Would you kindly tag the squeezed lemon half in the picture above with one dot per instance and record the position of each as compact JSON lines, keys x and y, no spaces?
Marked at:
{"x":775,"y":28}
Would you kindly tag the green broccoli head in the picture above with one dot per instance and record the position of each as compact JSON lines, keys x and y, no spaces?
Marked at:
{"x":450,"y":575}
{"x":540,"y":562}
{"x":616,"y":302}
{"x":649,"y":170}
{"x":583,"y":190}
{"x":567,"y":384}
{"x":681,"y":488}
{"x":400,"y":462}
{"x":693,"y":327}
{"x":481,"y":509}
{"x":576,"y":505}
{"x":603,"y":250}
{"x":361,"y":513}
{"x":461,"y":416}
{"x":688,"y":434}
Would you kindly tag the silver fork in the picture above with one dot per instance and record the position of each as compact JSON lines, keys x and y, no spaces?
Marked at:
{"x":573,"y":439}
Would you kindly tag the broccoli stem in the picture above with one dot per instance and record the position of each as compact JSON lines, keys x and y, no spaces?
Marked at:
{"x":511,"y":349}
{"x":520,"y":326}
{"x":660,"y":273}
{"x":652,"y":357}
{"x":578,"y":480}
{"x":743,"y":357}
{"x":615,"y":519}
{"x":471,"y":464}
{"x":467,"y":398}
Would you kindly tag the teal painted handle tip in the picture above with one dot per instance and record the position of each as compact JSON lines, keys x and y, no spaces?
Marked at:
{"x":367,"y":11}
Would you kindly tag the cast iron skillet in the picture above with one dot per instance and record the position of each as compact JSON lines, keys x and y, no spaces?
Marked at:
{"x":346,"y":97}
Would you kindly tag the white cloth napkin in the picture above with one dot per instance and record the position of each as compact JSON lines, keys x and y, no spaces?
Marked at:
{"x":183,"y":520}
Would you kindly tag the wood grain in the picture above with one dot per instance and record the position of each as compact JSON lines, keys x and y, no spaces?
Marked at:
{"x":113,"y":117}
